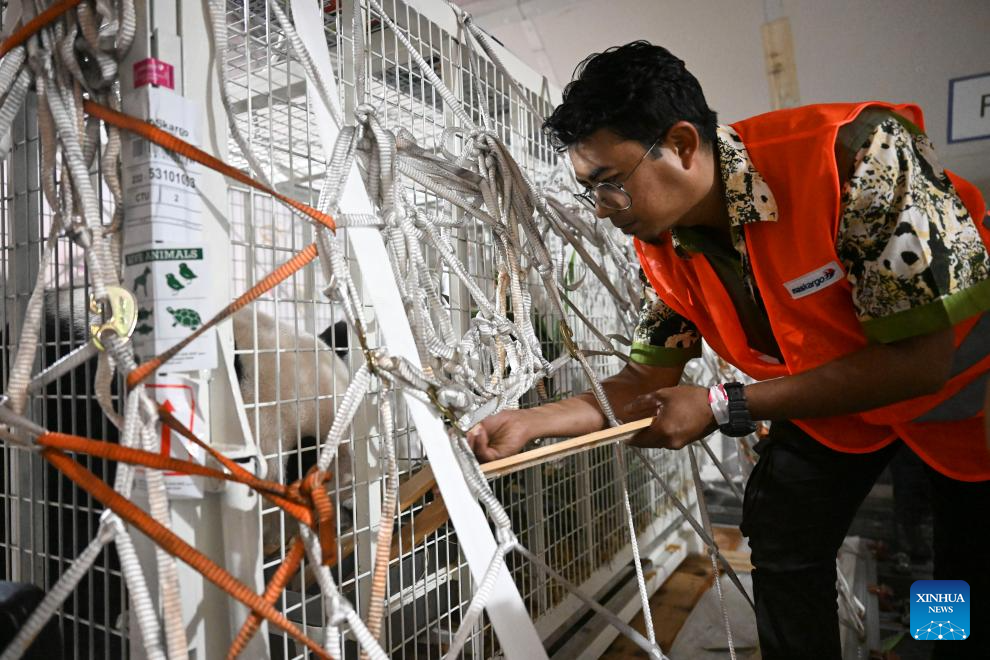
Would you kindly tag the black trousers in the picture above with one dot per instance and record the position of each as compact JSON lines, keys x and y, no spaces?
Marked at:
{"x":800,"y":501}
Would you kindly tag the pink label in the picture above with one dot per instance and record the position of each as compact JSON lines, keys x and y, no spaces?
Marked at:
{"x":154,"y":72}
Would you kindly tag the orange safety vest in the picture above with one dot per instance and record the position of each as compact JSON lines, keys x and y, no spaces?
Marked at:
{"x":808,"y":299}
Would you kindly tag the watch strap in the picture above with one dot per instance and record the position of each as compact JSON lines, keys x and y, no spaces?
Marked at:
{"x":740,"y":422}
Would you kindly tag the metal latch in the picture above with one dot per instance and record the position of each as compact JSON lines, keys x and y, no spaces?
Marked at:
{"x":123,"y":314}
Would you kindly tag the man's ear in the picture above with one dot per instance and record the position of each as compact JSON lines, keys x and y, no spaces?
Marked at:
{"x":684,"y":141}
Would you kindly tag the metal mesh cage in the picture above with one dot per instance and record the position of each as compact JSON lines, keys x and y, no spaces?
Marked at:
{"x":567,"y":512}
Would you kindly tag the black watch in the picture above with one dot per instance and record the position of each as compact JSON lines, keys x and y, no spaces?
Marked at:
{"x":740,"y":423}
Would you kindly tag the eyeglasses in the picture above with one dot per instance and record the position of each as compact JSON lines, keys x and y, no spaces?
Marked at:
{"x":610,"y":195}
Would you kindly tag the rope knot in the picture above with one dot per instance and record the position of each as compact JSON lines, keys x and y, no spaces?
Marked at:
{"x":507,"y":539}
{"x":364,"y":112}
{"x":482,"y":138}
{"x":311,"y":491}
{"x":110,"y":526}
{"x":79,"y":233}
{"x":338,"y":613}
{"x":462,"y":16}
{"x":392,"y":217}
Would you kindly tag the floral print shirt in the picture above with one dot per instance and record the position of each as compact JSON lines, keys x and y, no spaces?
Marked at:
{"x":909,"y":247}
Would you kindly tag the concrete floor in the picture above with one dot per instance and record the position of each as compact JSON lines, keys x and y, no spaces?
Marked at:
{"x":703,"y":635}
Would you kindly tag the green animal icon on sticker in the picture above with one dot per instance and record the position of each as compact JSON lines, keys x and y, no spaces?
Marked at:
{"x":187,"y":318}
{"x":174,"y":283}
{"x":142,"y":281}
{"x":186,"y":271}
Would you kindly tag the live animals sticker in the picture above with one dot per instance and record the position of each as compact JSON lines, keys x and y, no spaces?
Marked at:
{"x":171,"y":286}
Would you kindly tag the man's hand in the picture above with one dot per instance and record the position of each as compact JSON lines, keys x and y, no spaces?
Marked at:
{"x":500,"y":435}
{"x":683,"y":415}
{"x":508,"y":432}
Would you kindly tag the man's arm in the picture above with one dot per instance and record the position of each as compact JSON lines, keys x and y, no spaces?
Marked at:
{"x":875,"y":376}
{"x":507,"y":432}
{"x":663,"y":342}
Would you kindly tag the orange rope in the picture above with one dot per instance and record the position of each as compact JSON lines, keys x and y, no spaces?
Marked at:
{"x":168,"y":419}
{"x":291,"y":498}
{"x":170,"y":142}
{"x":291,"y":503}
{"x":282,"y":576}
{"x":174,"y":545}
{"x":288,"y":498}
{"x":176,"y":145}
{"x":119,"y":453}
{"x":288,"y":501}
{"x":312,"y":488}
{"x":283,"y":272}
{"x":285,"y":499}
{"x":28,"y":30}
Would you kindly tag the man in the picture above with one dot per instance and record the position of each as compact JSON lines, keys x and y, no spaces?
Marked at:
{"x":823,"y":251}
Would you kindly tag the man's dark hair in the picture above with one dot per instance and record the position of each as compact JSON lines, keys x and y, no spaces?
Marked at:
{"x":637,"y":91}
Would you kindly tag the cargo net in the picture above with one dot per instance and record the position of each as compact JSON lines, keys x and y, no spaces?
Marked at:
{"x":69,"y":53}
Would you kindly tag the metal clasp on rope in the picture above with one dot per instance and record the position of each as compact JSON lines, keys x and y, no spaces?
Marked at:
{"x":122,"y":317}
{"x":445,"y":412}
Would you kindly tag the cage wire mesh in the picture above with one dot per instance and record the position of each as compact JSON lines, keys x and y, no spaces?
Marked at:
{"x":47,"y":521}
{"x":568,"y":512}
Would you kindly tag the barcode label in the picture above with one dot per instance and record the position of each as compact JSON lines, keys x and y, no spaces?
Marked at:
{"x":142,"y":150}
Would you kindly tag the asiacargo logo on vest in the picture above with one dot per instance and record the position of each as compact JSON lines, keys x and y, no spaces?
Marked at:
{"x":940,"y":610}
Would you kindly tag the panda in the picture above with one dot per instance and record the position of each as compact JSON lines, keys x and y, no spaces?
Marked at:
{"x":304,"y":389}
{"x":311,"y":373}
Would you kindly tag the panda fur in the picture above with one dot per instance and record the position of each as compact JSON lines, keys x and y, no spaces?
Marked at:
{"x":305,"y":387}
{"x":312,"y":375}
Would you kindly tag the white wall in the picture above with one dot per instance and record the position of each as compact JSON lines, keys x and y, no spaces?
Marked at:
{"x":897,"y":50}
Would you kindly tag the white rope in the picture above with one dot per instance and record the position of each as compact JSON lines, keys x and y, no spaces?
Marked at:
{"x":338,"y":610}
{"x":483,"y":180}
{"x":705,"y":536}
{"x":138,"y":594}
{"x":56,"y":596}
{"x":713,"y":549}
{"x":644,"y":594}
{"x":383,"y":549}
{"x":481,"y":595}
{"x":650,"y":648}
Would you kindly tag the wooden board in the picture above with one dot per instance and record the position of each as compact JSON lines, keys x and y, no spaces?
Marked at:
{"x":434,"y":515}
{"x":420,"y":483}
{"x":670,"y":605}
{"x":564,"y":448}
{"x":728,"y":538}
{"x":733,"y":548}
{"x":413,"y":488}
